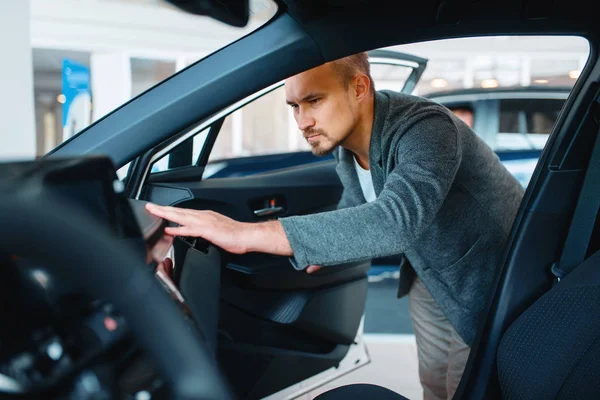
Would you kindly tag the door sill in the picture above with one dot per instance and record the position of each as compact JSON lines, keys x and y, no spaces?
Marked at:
{"x":357,"y":356}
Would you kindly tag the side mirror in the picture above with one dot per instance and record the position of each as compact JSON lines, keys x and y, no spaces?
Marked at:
{"x":232,"y":12}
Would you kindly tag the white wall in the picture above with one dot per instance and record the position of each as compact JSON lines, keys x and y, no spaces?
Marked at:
{"x":111,"y":81}
{"x":17,"y":120}
{"x":113,"y":35}
{"x":141,"y":30}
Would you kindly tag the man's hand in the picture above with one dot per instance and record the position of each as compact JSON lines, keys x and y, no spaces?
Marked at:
{"x":313,"y":268}
{"x":165,"y":267}
{"x":216,"y":228}
{"x":164,"y":273}
{"x":232,"y":236}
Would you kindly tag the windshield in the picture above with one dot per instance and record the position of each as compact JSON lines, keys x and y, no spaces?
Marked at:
{"x":88,"y":58}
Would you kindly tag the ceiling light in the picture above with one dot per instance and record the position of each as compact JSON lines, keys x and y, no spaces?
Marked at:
{"x":574,"y":74}
{"x":489,"y":83}
{"x":438,"y":83}
{"x":61,"y":98}
{"x":541,"y":81}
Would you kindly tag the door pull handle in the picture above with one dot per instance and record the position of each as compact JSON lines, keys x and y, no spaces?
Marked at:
{"x":263,"y":212}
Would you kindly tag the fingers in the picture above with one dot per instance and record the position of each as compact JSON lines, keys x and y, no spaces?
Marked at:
{"x":161,"y":267}
{"x":161,"y":248}
{"x":168,"y":265}
{"x":313,"y":268}
{"x":181,"y":231}
{"x":173,"y":214}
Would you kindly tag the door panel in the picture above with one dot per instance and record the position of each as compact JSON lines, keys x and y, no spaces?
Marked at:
{"x":261,"y":271}
{"x":271,"y":316}
{"x":302,"y":190}
{"x":316,"y":312}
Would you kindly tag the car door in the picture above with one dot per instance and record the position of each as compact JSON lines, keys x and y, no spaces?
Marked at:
{"x":276,"y":326}
{"x":271,"y":316}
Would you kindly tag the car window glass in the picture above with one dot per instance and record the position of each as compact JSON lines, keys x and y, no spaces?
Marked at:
{"x":389,"y":77}
{"x":529,"y":116}
{"x":487,"y":89}
{"x":74,"y":86}
{"x":122,"y":172}
{"x":183,"y":155}
{"x":526,"y":123}
{"x":267,"y":126}
{"x":509,"y":121}
{"x":541,"y":120}
{"x":263,"y":126}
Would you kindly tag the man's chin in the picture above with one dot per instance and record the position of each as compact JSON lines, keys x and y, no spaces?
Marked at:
{"x":320,"y":152}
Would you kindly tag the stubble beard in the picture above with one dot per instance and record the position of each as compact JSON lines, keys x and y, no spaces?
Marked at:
{"x":322,"y":151}
{"x":315,"y":147}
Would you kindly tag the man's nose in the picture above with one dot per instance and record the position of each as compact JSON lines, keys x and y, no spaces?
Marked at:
{"x":305,"y":121}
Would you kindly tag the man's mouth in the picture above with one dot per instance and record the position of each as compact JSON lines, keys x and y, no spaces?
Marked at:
{"x":312,"y":137}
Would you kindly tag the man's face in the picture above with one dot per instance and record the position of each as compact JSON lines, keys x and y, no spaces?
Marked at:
{"x":465,"y":114}
{"x":323,"y":108}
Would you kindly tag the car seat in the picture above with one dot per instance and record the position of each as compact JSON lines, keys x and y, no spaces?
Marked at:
{"x":552,"y":350}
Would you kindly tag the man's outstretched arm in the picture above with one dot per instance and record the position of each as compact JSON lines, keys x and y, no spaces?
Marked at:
{"x":226,"y":233}
{"x":232,"y":236}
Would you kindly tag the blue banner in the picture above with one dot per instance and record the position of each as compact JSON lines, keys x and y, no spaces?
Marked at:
{"x":77,"y":100}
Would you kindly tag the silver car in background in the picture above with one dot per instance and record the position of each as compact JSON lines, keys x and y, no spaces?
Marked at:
{"x":514,"y":122}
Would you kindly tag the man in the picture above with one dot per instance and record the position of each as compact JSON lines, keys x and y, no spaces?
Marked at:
{"x":465,"y":114}
{"x":417,"y":182}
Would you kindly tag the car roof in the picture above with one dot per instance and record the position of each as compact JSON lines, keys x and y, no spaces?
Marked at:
{"x":380,"y":23}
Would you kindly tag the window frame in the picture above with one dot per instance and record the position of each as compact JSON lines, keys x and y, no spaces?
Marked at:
{"x":158,"y":152}
{"x":386,"y":57}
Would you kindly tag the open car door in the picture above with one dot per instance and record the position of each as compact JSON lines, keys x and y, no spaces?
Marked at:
{"x":281,"y":332}
{"x":276,"y":326}
{"x":403,"y":70}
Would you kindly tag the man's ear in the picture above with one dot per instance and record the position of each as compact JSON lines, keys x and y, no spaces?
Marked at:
{"x":362,"y":87}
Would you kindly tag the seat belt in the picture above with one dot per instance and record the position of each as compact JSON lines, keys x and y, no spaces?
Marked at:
{"x":584,"y":217}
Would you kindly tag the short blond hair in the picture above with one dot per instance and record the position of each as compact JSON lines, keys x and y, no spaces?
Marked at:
{"x":348,"y":67}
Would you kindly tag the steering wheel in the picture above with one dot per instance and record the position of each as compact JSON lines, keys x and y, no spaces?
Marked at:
{"x":74,"y":247}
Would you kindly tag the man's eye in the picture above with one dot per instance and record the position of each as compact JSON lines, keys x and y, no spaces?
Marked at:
{"x":315,"y":101}
{"x":294,"y":106}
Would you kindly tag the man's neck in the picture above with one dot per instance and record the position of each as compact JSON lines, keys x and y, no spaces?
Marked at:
{"x":359,"y":141}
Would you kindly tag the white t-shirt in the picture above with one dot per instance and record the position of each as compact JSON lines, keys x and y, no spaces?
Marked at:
{"x":366,"y":182}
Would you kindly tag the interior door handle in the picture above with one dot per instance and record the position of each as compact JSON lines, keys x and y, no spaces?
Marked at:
{"x":263,"y":212}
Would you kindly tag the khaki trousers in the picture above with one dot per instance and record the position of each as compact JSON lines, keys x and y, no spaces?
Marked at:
{"x":442,"y":353}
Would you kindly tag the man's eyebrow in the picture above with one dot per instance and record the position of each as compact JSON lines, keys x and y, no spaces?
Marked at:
{"x":307,"y":97}
{"x":312,"y":96}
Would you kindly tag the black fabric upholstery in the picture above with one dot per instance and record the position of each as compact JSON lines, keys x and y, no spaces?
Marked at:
{"x":360,"y":391}
{"x":583,"y":383}
{"x":553,"y":349}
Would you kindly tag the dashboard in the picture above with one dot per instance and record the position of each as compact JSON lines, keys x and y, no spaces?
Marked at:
{"x":50,"y":331}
